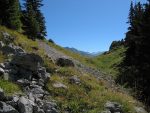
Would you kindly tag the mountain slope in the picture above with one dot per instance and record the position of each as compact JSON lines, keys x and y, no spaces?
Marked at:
{"x":71,"y":89}
{"x":108,"y":61}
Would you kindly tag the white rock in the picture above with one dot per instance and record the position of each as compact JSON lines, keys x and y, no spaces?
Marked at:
{"x":59,"y":85}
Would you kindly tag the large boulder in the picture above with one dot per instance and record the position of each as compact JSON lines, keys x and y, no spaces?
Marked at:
{"x":25,"y":105}
{"x":28,"y":61}
{"x":4,"y":108}
{"x":64,"y":62}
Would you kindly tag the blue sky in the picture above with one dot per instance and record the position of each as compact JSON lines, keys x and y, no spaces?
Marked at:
{"x":88,"y":25}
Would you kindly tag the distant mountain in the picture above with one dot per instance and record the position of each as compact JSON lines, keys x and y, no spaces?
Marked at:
{"x":88,"y":54}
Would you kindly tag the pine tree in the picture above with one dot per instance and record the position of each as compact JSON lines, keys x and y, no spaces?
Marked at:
{"x":33,"y":19}
{"x":10,"y":14}
{"x":4,"y":6}
{"x":131,"y":16}
{"x":37,"y":4}
{"x":30,"y":22}
{"x":14,"y":21}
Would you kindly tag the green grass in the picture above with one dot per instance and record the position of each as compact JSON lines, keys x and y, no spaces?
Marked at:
{"x":91,"y":95}
{"x":108,"y":62}
{"x":9,"y":87}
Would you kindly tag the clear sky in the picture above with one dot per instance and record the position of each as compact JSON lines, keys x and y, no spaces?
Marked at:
{"x":88,"y":25}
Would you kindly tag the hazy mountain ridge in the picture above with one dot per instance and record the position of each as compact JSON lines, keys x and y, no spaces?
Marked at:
{"x":93,"y":54}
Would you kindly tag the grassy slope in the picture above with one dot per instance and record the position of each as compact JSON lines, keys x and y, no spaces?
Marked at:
{"x":108,"y":62}
{"x":91,"y":95}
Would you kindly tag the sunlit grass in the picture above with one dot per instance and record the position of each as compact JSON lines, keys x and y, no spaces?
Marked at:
{"x":9,"y":87}
{"x":108,"y":62}
{"x":91,"y":95}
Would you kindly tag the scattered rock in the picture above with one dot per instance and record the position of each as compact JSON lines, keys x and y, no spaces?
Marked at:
{"x":50,"y":107}
{"x":140,"y":110}
{"x":113,"y":107}
{"x":37,"y":90}
{"x":43,"y":74}
{"x":4,"y":108}
{"x":25,"y":105}
{"x":2,"y":65}
{"x":59,"y":85}
{"x":37,"y":109}
{"x":64,"y":62}
{"x":23,"y":82}
{"x":7,"y":38}
{"x":15,"y":98}
{"x":74,"y":80}
{"x":31,"y":97}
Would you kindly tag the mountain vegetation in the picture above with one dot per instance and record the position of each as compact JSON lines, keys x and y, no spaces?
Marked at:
{"x":68,"y":81}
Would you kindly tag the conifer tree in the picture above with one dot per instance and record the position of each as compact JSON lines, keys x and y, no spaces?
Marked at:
{"x":135,"y":69}
{"x":14,"y":21}
{"x":10,"y":14}
{"x":30,"y":22}
{"x":36,"y":21}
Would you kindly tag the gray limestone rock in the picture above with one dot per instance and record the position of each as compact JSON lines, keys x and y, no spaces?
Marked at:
{"x":24,"y":105}
{"x":140,"y":110}
{"x":4,"y":108}
{"x":113,"y":107}
{"x":59,"y":85}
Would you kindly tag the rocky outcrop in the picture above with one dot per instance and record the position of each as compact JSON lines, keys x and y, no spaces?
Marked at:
{"x":27,"y":104}
{"x":12,"y":49}
{"x":26,"y":70}
{"x":7,"y":47}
